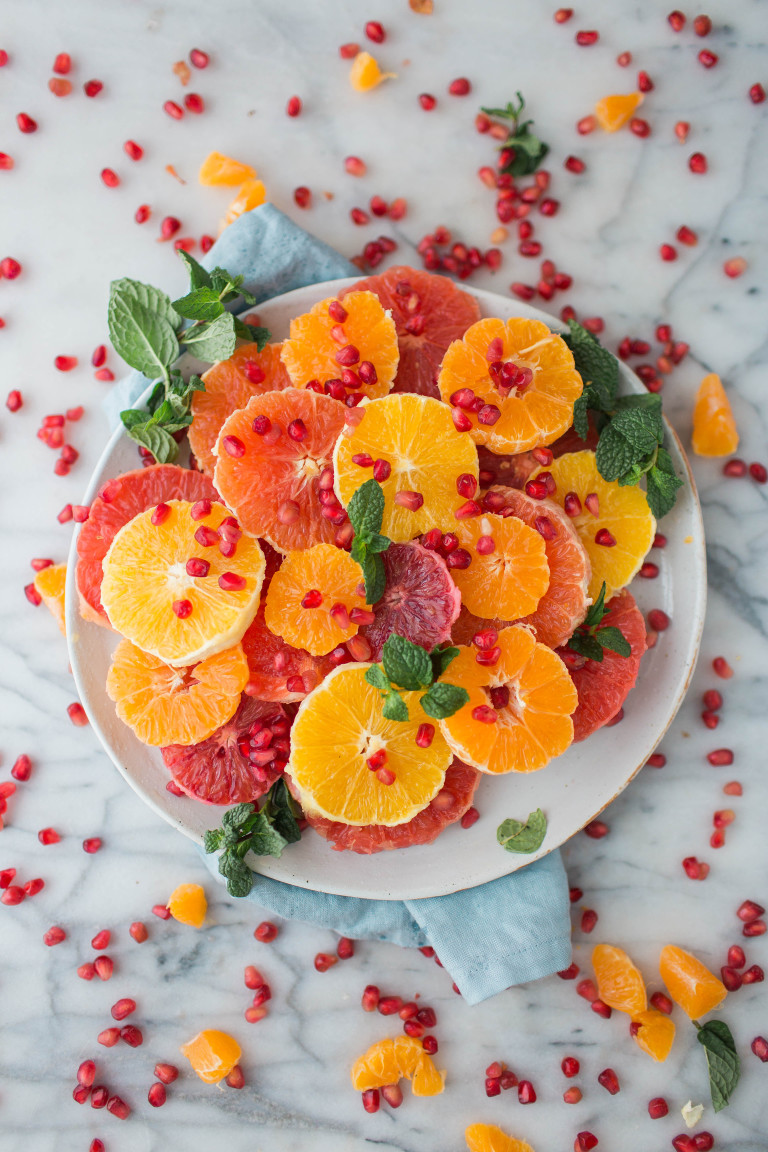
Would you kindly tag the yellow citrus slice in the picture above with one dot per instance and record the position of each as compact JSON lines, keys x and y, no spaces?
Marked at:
{"x":520,"y":702}
{"x":313,"y":599}
{"x":366,"y":73}
{"x":489,"y":1138}
{"x":169,"y":587}
{"x":654,"y":1032}
{"x":390,"y":1060}
{"x":509,"y":572}
{"x":219,"y":169}
{"x":613,"y":112}
{"x":619,"y":983}
{"x":615,"y":524}
{"x":416,"y":454}
{"x":212,"y":1054}
{"x":188,"y":905}
{"x":250,"y":195}
{"x":714,"y":428}
{"x":338,"y":729}
{"x":50,"y":583}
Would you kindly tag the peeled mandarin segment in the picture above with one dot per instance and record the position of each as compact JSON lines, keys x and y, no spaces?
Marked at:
{"x":250,"y":195}
{"x":165,"y":705}
{"x":655,"y":1034}
{"x":229,"y":385}
{"x":316,"y":349}
{"x":188,"y":905}
{"x":619,"y":983}
{"x":511,"y":580}
{"x":220,"y":169}
{"x":428,"y":1080}
{"x":274,"y":486}
{"x":50,"y":583}
{"x":212,"y":1054}
{"x":689,"y":982}
{"x":415,"y":436}
{"x":366,"y":73}
{"x":337,"y":728}
{"x":613,"y":112}
{"x":714,"y":428}
{"x":623,"y":511}
{"x":389,"y":1060}
{"x":328,"y":572}
{"x":489,"y":1138}
{"x":533,"y":412}
{"x":145,"y":574}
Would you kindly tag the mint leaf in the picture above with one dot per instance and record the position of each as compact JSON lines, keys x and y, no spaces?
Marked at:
{"x":661,"y":491}
{"x":252,"y":332}
{"x":377,"y":677}
{"x":142,"y":326}
{"x":159,"y":442}
{"x":595,"y":364}
{"x":586,"y":646}
{"x":235,"y":818}
{"x":615,"y":455}
{"x":198,"y":277}
{"x":281,"y":810}
{"x":237,"y":873}
{"x":722,"y":1060}
{"x":441,"y":659}
{"x":265,"y":840}
{"x":443,"y":700}
{"x":377,"y":543}
{"x":581,"y":414}
{"x":374,"y":576}
{"x":614,"y":640}
{"x":212,"y":840}
{"x":200,"y":304}
{"x":366,"y":509}
{"x":527,"y":150}
{"x":527,"y":836}
{"x":395,"y":708}
{"x":213,"y":341}
{"x":642,"y":427}
{"x":596,"y":610}
{"x":406,"y":664}
{"x":132,"y":416}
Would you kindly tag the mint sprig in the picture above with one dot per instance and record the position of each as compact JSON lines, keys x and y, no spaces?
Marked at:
{"x":722,"y":1061}
{"x":148,"y":331}
{"x":244,"y":828}
{"x":590,"y":639}
{"x":523,"y":836}
{"x":410,"y":667}
{"x":366,"y":512}
{"x":527,"y":150}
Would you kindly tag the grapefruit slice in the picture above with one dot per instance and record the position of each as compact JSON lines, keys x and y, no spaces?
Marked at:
{"x":516,"y":470}
{"x":124,"y":497}
{"x":277,"y":671}
{"x":604,"y":687}
{"x":429,"y":312}
{"x":420,"y":600}
{"x":237,"y":764}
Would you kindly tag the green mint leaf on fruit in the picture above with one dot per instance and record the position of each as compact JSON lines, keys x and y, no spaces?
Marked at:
{"x":590,"y":639}
{"x":155,"y":438}
{"x":198,"y":276}
{"x":142,"y":327}
{"x":235,"y":818}
{"x":615,"y":455}
{"x":374,"y":576}
{"x":200,"y":304}
{"x":366,"y":509}
{"x":377,"y":543}
{"x":377,"y":677}
{"x":443,"y":700}
{"x":633,"y":476}
{"x":642,"y":427}
{"x":596,"y":610}
{"x":441,"y":658}
{"x":253,"y":333}
{"x":587,"y":646}
{"x":581,"y":414}
{"x":406,"y":664}
{"x":595,"y":364}
{"x":213,"y":341}
{"x":395,"y":708}
{"x":282,"y":811}
{"x":212,"y":840}
{"x":132,"y":416}
{"x":614,"y":640}
{"x":722,"y":1060}
{"x":661,"y":491}
{"x":527,"y":836}
{"x":265,"y":840}
{"x":238,"y":875}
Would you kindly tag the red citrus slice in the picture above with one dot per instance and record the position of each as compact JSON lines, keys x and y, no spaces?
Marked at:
{"x":239,"y":762}
{"x":448,"y":806}
{"x":125,"y":497}
{"x":273,"y":665}
{"x":515,"y":470}
{"x":420,"y":601}
{"x":429,"y":313}
{"x":604,"y":687}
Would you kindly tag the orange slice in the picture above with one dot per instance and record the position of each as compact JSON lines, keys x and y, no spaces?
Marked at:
{"x":366,"y":73}
{"x":50,"y":582}
{"x":229,"y":385}
{"x":276,"y":485}
{"x":338,"y":728}
{"x":165,"y":705}
{"x":188,"y":905}
{"x":212,"y":1054}
{"x":621,"y":512}
{"x":311,"y":597}
{"x":219,"y":169}
{"x":619,"y":983}
{"x":250,"y":195}
{"x":357,"y":337}
{"x":655,"y":1034}
{"x":613,"y":112}
{"x":152,"y":597}
{"x":414,"y":437}
{"x":509,"y":581}
{"x":714,"y":428}
{"x":523,"y":374}
{"x":389,"y":1060}
{"x":489,"y":1138}
{"x":519,"y":712}
{"x":689,"y":982}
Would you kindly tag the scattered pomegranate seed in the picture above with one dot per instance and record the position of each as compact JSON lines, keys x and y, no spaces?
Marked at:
{"x":109,"y":177}
{"x":585,"y":39}
{"x":99,"y":1097}
{"x":584,"y":1142}
{"x":138,"y":931}
{"x":563,"y":15}
{"x":157,"y":1095}
{"x":104,"y":966}
{"x":695,"y":869}
{"x":101,"y":939}
{"x":161,"y":911}
{"x":427,"y":102}
{"x":569,"y":973}
{"x":173,"y":110}
{"x":375,"y":32}
{"x":25,"y":123}
{"x":122,"y":1008}
{"x":759,"y":473}
{"x":731,"y":978}
{"x":109,"y":1037}
{"x":574,"y":164}
{"x":355,"y":166}
{"x":142,"y":214}
{"x":588,"y":920}
{"x":92,"y":87}
{"x":266,"y":932}
{"x":668,"y":252}
{"x":198,"y":58}
{"x":657,"y":1108}
{"x":347,"y":51}
{"x":371,"y":1100}
{"x":526,"y":1093}
{"x":760,"y":1048}
{"x":86,"y":971}
{"x":697,"y":162}
{"x":757,"y":94}
{"x":749,"y":911}
{"x":14,"y":400}
{"x":9,"y":268}
{"x":609,"y":1081}
{"x":54,"y":936}
{"x":12,"y":894}
{"x":324,"y":961}
{"x":721,"y":757}
{"x":572,"y":1095}
{"x":48,"y":836}
{"x":708,"y":59}
{"x":587,"y":989}
{"x":118,"y":1108}
{"x":755,"y":974}
{"x":132,"y":1036}
{"x":722,"y":668}
{"x":596,"y":829}
{"x":194,"y":103}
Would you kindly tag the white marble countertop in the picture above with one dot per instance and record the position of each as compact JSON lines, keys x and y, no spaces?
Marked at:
{"x":72,"y":235}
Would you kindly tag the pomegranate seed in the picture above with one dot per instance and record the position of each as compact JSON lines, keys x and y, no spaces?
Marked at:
{"x":755,"y":974}
{"x":173,"y":110}
{"x":371,"y":1100}
{"x":586,"y":125}
{"x":493,"y":1086}
{"x":26,"y":123}
{"x":7,"y":162}
{"x":596,"y":829}
{"x":101,"y":939}
{"x":569,"y":973}
{"x":9,"y":270}
{"x":609,"y":1081}
{"x":720,"y":757}
{"x":104,"y":967}
{"x":109,"y":1037}
{"x":14,"y":400}
{"x":759,"y":473}
{"x":572,"y":1095}
{"x":586,"y":39}
{"x":683,"y":1143}
{"x":563,"y":15}
{"x":749,"y":911}
{"x":118,"y":1108}
{"x":122,"y":1008}
{"x":182,"y":608}
{"x":231,"y":582}
{"x":374,"y":31}
{"x":427,"y":102}
{"x":757,"y":94}
{"x":6,"y":876}
{"x":54,"y":936}
{"x":588,"y":920}
{"x":687,"y":236}
{"x":604,"y":537}
{"x":12,"y":894}
{"x":355,"y":166}
{"x":760,"y":1048}
{"x":658,"y":620}
{"x":570,"y":1066}
{"x":731,"y":978}
{"x":266,"y":932}
{"x":99,"y":1097}
{"x":697,"y":162}
{"x":92,"y":88}
{"x":324,"y":961}
{"x":110,"y":177}
{"x":754,"y":928}
{"x":708,"y":59}
{"x":722,"y":668}
{"x":676,"y":20}
{"x":345,"y":949}
{"x":695,"y":869}
{"x":602,"y":1009}
{"x":460,"y":87}
{"x":157,"y":1095}
{"x":138,"y":931}
{"x":667,"y":252}
{"x":587,"y":989}
{"x":132,"y":1036}
{"x":81,"y":1094}
{"x":48,"y":836}
{"x":59,"y":87}
{"x":526,"y":1093}
{"x":470,"y":817}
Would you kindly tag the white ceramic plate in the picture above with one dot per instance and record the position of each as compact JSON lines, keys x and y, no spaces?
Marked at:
{"x":572,"y":790}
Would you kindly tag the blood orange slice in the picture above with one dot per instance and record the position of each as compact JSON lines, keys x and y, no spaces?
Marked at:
{"x":239,"y":762}
{"x":420,"y":600}
{"x":603,"y":688}
{"x":450,"y":804}
{"x":429,"y":312}
{"x":124,"y":497}
{"x":516,"y":470}
{"x":277,"y":671}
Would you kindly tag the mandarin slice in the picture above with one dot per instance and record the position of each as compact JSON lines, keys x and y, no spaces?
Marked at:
{"x":617,"y":530}
{"x":311,"y":597}
{"x":212,"y":1054}
{"x":152,"y":597}
{"x":366,"y":73}
{"x":219,"y":169}
{"x":280,"y":483}
{"x":613,"y":112}
{"x":714,"y":428}
{"x":524,"y":375}
{"x":250,"y":195}
{"x":511,"y":579}
{"x":414,"y":437}
{"x":165,"y":705}
{"x":357,"y":337}
{"x":49,"y":583}
{"x":519,"y":712}
{"x":655,"y":1034}
{"x":229,"y":385}
{"x":689,"y":982}
{"x":619,"y":983}
{"x":188,"y":905}
{"x":338,"y":728}
{"x":388,"y":1061}
{"x":489,"y":1138}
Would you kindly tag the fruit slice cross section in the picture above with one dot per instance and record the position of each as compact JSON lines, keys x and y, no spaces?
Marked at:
{"x":151,"y":598}
{"x":338,"y":728}
{"x":512,"y":578}
{"x":273,"y":665}
{"x":311,"y":596}
{"x":390,"y":1060}
{"x":420,"y":600}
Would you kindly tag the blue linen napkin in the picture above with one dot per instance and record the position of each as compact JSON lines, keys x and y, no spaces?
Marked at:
{"x":505,"y":932}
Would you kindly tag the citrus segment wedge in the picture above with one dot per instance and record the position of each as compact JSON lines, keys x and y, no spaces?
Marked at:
{"x":420,"y":600}
{"x":188,"y":905}
{"x":311,"y":597}
{"x":49,"y":583}
{"x":390,"y":1060}
{"x":714,"y":428}
{"x":511,"y":579}
{"x":250,"y":195}
{"x":613,"y":112}
{"x":655,"y":1034}
{"x":218,"y":169}
{"x":489,"y":1138}
{"x":212,"y":1054}
{"x":619,"y":983}
{"x":689,"y":982}
{"x":366,"y":73}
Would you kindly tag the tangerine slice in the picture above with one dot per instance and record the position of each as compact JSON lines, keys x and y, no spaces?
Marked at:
{"x":250,"y":195}
{"x":152,"y":598}
{"x":188,"y":905}
{"x":415,"y":437}
{"x":420,"y":600}
{"x":524,"y":375}
{"x":306,"y":594}
{"x":357,"y":336}
{"x":219,"y":169}
{"x":338,"y":728}
{"x":489,"y":1138}
{"x":619,"y":983}
{"x":714,"y":428}
{"x":165,"y":705}
{"x":229,"y":385}
{"x":613,"y":112}
{"x":512,"y":578}
{"x":366,"y":73}
{"x":388,"y":1061}
{"x":621,"y":511}
{"x":49,"y":583}
{"x":275,"y":486}
{"x":429,"y":313}
{"x":689,"y":982}
{"x":519,"y":712}
{"x":212,"y":1054}
{"x":655,"y":1034}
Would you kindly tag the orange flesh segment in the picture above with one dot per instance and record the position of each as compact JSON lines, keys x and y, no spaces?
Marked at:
{"x":714,"y":428}
{"x":656,"y":1033}
{"x":324,"y":569}
{"x":188,"y":904}
{"x":390,"y":1060}
{"x":619,"y":983}
{"x":218,"y":169}
{"x":511,"y":580}
{"x":489,"y":1138}
{"x":49,"y":583}
{"x":250,"y":195}
{"x":613,"y":112}
{"x":212,"y":1054}
{"x":689,"y":982}
{"x":366,"y":73}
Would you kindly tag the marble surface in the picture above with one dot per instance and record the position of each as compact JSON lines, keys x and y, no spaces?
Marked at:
{"x":72,"y":236}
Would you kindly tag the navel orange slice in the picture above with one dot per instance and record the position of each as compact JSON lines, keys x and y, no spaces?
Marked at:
{"x":314,"y":598}
{"x":508,"y":573}
{"x":391,"y":1060}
